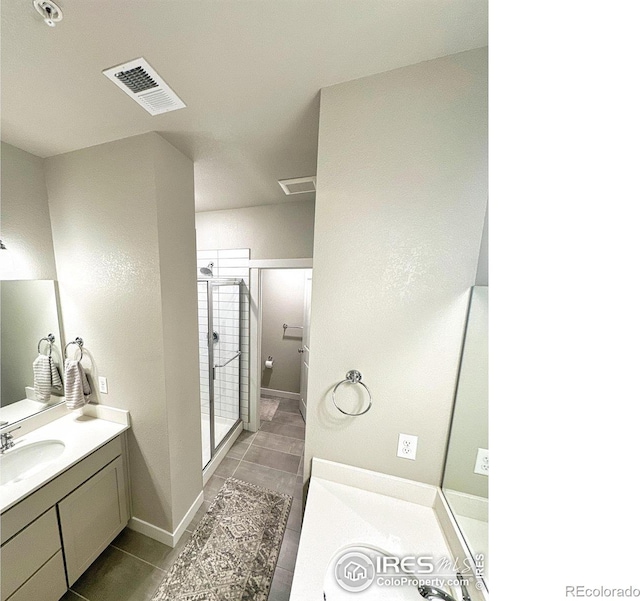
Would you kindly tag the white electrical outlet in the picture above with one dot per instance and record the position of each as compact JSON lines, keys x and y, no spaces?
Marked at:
{"x":102,"y":385}
{"x":407,"y":446}
{"x":482,"y":462}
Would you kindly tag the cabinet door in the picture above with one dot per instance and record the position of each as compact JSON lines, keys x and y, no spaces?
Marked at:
{"x":91,"y":517}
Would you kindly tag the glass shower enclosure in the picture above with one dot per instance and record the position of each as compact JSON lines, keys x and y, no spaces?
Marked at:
{"x":219,"y":348}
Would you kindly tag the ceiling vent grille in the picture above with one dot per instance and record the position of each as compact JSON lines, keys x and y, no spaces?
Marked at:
{"x":298,"y":185}
{"x":140,"y":81}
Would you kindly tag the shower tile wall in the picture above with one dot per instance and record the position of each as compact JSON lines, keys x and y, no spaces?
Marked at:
{"x":227,"y":264}
{"x":226,"y":315}
{"x":203,"y":347}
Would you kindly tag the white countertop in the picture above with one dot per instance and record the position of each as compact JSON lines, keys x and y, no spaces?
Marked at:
{"x":339,"y":515}
{"x":81,"y":434}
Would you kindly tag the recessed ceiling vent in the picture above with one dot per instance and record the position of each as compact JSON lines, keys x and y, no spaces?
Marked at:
{"x":298,"y":185}
{"x":140,"y":81}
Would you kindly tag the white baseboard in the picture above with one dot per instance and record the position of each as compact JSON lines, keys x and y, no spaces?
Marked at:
{"x":282,"y":393}
{"x":164,"y":536}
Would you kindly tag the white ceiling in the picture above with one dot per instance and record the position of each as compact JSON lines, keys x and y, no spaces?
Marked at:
{"x":248,"y":70}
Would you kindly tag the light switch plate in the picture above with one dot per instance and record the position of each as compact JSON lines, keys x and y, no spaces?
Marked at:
{"x":407,"y":446}
{"x":482,"y":462}
{"x":102,"y":384}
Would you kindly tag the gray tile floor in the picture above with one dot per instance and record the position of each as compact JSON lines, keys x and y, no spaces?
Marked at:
{"x":133,"y":566}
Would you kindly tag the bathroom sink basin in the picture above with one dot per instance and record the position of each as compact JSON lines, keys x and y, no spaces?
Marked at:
{"x":25,"y":461}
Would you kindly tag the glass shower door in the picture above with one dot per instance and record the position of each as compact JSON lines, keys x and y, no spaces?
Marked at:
{"x":219,"y":348}
{"x":226,"y":358}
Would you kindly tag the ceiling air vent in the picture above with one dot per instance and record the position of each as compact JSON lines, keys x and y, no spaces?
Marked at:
{"x":298,"y":185}
{"x":140,"y":81}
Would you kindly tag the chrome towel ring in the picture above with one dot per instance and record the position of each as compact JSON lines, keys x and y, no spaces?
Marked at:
{"x":353,"y":377}
{"x":77,"y":341}
{"x":50,"y":339}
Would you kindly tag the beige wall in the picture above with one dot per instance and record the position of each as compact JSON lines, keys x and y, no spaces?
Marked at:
{"x":25,"y":226}
{"x":282,"y":231}
{"x":470,"y":426}
{"x":402,"y":189}
{"x":122,"y":272}
{"x":178,"y":274}
{"x":282,"y":302}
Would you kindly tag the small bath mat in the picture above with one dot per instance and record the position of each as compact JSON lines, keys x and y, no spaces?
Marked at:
{"x":232,"y":553}
{"x":268,"y":408}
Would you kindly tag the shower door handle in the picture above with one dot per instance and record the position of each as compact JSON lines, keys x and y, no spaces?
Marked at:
{"x":225,"y":363}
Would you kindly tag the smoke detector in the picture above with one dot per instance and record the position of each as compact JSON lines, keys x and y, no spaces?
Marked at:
{"x":298,"y":185}
{"x":139,"y":80}
{"x":49,"y":11}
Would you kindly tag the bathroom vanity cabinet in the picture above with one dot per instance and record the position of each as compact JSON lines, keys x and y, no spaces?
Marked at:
{"x":52,"y":536}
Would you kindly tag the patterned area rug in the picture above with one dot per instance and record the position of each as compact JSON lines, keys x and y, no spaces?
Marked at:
{"x":232,"y":553}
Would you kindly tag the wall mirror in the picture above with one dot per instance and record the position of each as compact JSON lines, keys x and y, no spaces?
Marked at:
{"x":29,"y":311}
{"x":466,"y":476}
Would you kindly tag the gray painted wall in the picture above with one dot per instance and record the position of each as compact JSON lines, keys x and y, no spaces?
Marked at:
{"x":124,"y":234}
{"x":402,"y":189}
{"x":282,"y":302}
{"x":24,"y":220}
{"x":283,"y":231}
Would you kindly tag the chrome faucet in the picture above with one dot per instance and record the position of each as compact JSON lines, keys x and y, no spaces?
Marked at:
{"x":433,"y":593}
{"x":6,"y":438}
{"x":463,"y":588}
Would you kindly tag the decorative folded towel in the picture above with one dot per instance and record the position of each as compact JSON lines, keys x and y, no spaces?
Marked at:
{"x":76,"y":385}
{"x":45,"y":377}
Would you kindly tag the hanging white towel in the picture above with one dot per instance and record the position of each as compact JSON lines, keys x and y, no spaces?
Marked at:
{"x":45,"y":377}
{"x":76,"y":385}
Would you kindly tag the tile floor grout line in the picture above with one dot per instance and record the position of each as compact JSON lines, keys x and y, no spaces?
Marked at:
{"x":269,"y":468}
{"x":78,"y":595}
{"x":242,"y":458}
{"x":139,"y":558}
{"x":279,"y":423}
{"x":276,"y":450}
{"x":248,"y":447}
{"x":284,"y":569}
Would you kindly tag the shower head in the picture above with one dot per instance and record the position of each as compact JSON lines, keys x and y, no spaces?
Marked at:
{"x":208,"y":270}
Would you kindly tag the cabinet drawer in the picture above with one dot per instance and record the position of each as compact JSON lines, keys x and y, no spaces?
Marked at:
{"x":28,"y":551}
{"x":47,"y":584}
{"x":91,"y":516}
